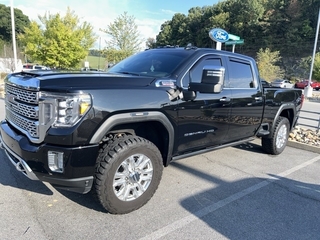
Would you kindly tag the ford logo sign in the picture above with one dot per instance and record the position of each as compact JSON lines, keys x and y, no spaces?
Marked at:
{"x":218,"y":35}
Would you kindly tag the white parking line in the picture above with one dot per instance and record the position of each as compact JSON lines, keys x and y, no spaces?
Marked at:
{"x":215,"y":206}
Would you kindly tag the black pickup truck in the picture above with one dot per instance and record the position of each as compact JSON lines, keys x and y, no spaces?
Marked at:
{"x":112,"y":132}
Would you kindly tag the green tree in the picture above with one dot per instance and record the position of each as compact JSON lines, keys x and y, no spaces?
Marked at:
{"x":165,"y":34}
{"x":316,"y":67}
{"x":305,"y":65}
{"x":267,"y":61}
{"x":125,"y":37}
{"x":199,"y":25}
{"x":21,"y":22}
{"x":63,"y":41}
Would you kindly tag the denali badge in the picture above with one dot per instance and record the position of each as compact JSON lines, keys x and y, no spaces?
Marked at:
{"x":199,"y":132}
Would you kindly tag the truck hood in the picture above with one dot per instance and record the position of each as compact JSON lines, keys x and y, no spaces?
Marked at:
{"x":68,"y":81}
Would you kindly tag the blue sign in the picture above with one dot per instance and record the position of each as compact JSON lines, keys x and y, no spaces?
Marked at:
{"x":218,"y":35}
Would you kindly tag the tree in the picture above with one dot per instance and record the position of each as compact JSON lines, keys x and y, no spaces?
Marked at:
{"x":316,"y":67}
{"x":267,"y":61}
{"x":305,"y":64}
{"x":165,"y":34}
{"x":62,"y":43}
{"x":125,"y":36}
{"x":151,"y":43}
{"x":21,"y":22}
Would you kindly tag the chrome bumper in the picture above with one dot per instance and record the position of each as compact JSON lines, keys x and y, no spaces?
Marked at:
{"x":18,"y":162}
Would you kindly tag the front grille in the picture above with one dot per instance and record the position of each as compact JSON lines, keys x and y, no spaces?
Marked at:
{"x":22,"y":109}
{"x":22,"y":95}
{"x":23,"y":123}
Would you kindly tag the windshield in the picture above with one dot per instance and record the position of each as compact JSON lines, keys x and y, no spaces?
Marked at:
{"x":154,"y":63}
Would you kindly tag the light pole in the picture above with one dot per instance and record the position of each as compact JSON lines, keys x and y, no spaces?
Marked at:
{"x":13,"y":37}
{"x":308,"y":89}
{"x":99,"y":53}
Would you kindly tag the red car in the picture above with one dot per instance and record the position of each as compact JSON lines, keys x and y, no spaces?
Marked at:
{"x":303,"y":84}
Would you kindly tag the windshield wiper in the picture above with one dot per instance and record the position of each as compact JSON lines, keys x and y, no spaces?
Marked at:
{"x":130,"y":73}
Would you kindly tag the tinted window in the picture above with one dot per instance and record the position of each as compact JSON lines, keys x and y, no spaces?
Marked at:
{"x":195,"y":74}
{"x":158,"y":63}
{"x":240,"y":75}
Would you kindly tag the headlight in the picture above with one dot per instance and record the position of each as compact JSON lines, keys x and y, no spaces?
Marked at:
{"x":64,"y":109}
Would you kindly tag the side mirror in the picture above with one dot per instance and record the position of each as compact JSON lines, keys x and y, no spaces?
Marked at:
{"x":212,"y":80}
{"x":188,"y":95}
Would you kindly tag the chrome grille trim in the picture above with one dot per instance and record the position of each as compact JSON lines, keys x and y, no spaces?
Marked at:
{"x":23,"y":95}
{"x":24,"y":110}
{"x":23,"y":124}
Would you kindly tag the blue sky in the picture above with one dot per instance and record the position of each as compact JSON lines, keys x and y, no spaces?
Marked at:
{"x":149,"y":14}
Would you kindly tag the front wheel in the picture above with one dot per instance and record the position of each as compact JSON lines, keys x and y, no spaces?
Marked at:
{"x":128,"y":173}
{"x":276,"y":142}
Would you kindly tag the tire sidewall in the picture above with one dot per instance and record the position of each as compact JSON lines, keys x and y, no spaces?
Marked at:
{"x":282,"y":121}
{"x":113,"y":201}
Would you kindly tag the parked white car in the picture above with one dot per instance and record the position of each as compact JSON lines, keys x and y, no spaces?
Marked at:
{"x":282,"y":83}
{"x":29,"y":67}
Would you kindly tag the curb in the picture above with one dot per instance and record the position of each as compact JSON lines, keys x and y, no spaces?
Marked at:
{"x":303,"y":146}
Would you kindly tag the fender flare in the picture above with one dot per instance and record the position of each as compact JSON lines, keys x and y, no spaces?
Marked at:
{"x":289,"y":106}
{"x":123,"y":118}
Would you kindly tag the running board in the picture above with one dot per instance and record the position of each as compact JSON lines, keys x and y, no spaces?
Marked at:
{"x":213,"y":148}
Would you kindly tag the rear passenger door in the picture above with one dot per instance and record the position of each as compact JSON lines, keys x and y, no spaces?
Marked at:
{"x":246,"y":98}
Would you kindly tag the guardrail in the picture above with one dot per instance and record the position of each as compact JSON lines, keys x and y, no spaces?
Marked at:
{"x":315,"y":119}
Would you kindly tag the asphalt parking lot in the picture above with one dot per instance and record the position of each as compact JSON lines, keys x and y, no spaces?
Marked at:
{"x":233,"y":193}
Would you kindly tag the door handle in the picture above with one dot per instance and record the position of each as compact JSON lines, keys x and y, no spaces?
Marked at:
{"x":225,"y":99}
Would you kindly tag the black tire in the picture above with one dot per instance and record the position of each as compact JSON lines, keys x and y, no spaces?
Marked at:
{"x":277,"y":140}
{"x":129,"y":170}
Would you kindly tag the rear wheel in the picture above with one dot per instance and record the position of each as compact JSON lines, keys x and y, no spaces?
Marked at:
{"x":276,"y":142}
{"x":128,"y":173}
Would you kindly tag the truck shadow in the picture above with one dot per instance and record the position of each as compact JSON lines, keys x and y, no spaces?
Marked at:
{"x":250,"y":146}
{"x":9,"y":176}
{"x":85,"y":200}
{"x":256,"y":208}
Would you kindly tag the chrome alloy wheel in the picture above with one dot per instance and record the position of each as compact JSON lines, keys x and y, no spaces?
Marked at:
{"x":133,"y":177}
{"x":282,"y":136}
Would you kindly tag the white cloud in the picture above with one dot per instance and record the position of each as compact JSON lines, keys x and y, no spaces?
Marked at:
{"x":99,"y":14}
{"x":169,"y":12}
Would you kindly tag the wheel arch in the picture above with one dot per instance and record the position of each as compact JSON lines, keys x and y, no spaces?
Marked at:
{"x":154,"y":126}
{"x":288,"y":111}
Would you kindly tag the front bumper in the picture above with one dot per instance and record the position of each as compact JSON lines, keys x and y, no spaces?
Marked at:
{"x":32,"y":160}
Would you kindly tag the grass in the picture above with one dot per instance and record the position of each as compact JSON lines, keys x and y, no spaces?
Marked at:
{"x":95,"y":62}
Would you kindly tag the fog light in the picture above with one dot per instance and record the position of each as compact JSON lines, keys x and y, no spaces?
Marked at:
{"x":55,"y":161}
